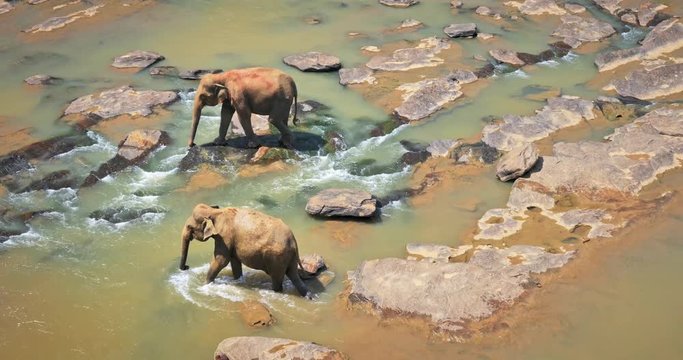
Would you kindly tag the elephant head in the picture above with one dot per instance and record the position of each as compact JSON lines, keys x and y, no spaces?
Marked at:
{"x":199,"y":226}
{"x":210,"y":92}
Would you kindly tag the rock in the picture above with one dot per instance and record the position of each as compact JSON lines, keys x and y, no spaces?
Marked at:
{"x":256,"y":347}
{"x":575,"y":8}
{"x":485,"y":71}
{"x":21,"y":159}
{"x":399,"y":3}
{"x":266,"y":155}
{"x":214,"y":156}
{"x":313,"y":61}
{"x":440,"y":253}
{"x":313,"y":264}
{"x":425,"y":97}
{"x":576,"y":30}
{"x":41,"y":79}
{"x":537,"y":7}
{"x":629,"y":18}
{"x":647,"y":11}
{"x":342,"y":202}
{"x":5,"y":6}
{"x":424,"y":290}
{"x":35,"y":2}
{"x":664,"y":38}
{"x":134,"y":148}
{"x":463,"y":76}
{"x":506,"y":56}
{"x":170,"y":71}
{"x":456,"y":4}
{"x":204,"y":178}
{"x":53,"y":181}
{"x":310,"y":106}
{"x":255,"y":314}
{"x":517,"y":162}
{"x":485,"y":36}
{"x":312,"y":20}
{"x":357,"y":75}
{"x":334,"y":141}
{"x":409,"y":23}
{"x":461,"y":30}
{"x":119,"y":101}
{"x":612,"y":6}
{"x":58,"y":22}
{"x":484,"y":11}
{"x":259,"y":124}
{"x":559,"y":113}
{"x":423,"y":55}
{"x":615,"y":110}
{"x":123,"y":214}
{"x":196,"y":74}
{"x":414,"y":157}
{"x":441,"y":148}
{"x":646,"y":85}
{"x":370,"y":48}
{"x":474,"y":153}
{"x":540,"y":92}
{"x":137,"y":59}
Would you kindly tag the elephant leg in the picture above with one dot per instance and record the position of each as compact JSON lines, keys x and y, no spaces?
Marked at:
{"x":226,"y":115}
{"x":293,"y":275}
{"x":278,"y":117}
{"x":277,"y":277}
{"x":236,"y":268}
{"x":217,"y":264}
{"x":244,"y":115}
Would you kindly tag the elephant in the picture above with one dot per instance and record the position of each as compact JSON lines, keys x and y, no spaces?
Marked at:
{"x":259,"y":90}
{"x":245,"y":236}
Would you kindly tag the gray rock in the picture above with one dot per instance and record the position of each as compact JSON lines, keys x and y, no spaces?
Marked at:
{"x":119,"y":101}
{"x":456,"y":4}
{"x":342,"y":202}
{"x":441,"y":148}
{"x":423,"y":55}
{"x":629,"y":18}
{"x":53,"y":181}
{"x":647,"y":11}
{"x":575,"y":8}
{"x":424,"y":290}
{"x":537,"y":7}
{"x":119,"y":215}
{"x":576,"y":30}
{"x":399,"y":3}
{"x":664,"y":38}
{"x":137,"y":59}
{"x":643,"y":84}
{"x":483,"y":10}
{"x":313,"y":263}
{"x":611,"y":6}
{"x":425,"y":97}
{"x":440,"y":253}
{"x":559,"y":113}
{"x":59,"y":22}
{"x":263,"y":348}
{"x":5,"y":6}
{"x":463,"y":76}
{"x":41,"y":79}
{"x":461,"y":30}
{"x":517,"y":162}
{"x":506,"y":56}
{"x":196,"y":74}
{"x":357,"y":75}
{"x":170,"y":71}
{"x":313,"y":61}
{"x":21,"y":159}
{"x":409,"y":23}
{"x":477,"y":153}
{"x":35,"y":2}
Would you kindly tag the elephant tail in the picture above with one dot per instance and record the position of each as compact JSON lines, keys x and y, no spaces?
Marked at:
{"x":303,"y":273}
{"x":295,"y":121}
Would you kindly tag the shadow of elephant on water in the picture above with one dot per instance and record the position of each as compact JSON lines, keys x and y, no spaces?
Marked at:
{"x":303,"y":141}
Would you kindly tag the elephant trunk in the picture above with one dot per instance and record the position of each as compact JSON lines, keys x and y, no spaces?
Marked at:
{"x":185,"y":245}
{"x":196,"y":114}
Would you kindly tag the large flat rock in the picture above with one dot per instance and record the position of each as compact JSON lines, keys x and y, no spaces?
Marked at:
{"x":313,"y":61}
{"x":263,"y":348}
{"x":448,"y":295}
{"x":425,"y":97}
{"x":461,"y":30}
{"x":399,"y":3}
{"x":423,"y":55}
{"x":517,"y":162}
{"x":537,"y":7}
{"x":576,"y":30}
{"x":342,"y":203}
{"x":650,"y":84}
{"x":137,"y":59}
{"x":59,"y":22}
{"x":356,"y":75}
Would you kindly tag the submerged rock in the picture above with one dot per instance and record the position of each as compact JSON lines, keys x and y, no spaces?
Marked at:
{"x":612,"y":6}
{"x":342,"y":202}
{"x":537,"y":7}
{"x":647,"y":11}
{"x":123,"y":214}
{"x":58,"y":22}
{"x":171,"y":71}
{"x":646,"y":85}
{"x":425,"y":97}
{"x":576,"y":30}
{"x":441,"y":148}
{"x":313,"y":61}
{"x":516,"y":162}
{"x":424,"y":290}
{"x":266,"y":155}
{"x":255,"y":314}
{"x":409,"y":23}
{"x":42,"y":150}
{"x":357,"y":75}
{"x":41,"y":79}
{"x":477,"y":153}
{"x":133,"y":149}
{"x":53,"y":181}
{"x":137,"y":59}
{"x":256,"y":347}
{"x":461,"y":30}
{"x":399,"y":3}
{"x":506,"y":56}
{"x":423,"y":55}
{"x":313,"y":263}
{"x":196,"y":74}
{"x":440,"y":253}
{"x":5,"y":6}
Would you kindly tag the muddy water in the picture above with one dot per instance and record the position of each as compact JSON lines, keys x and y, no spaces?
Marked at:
{"x":81,"y":288}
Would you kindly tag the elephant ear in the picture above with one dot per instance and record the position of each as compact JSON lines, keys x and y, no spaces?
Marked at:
{"x":209,"y":228}
{"x":221,"y":92}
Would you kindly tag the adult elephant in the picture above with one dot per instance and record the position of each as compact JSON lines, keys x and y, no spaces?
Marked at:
{"x":258,"y":90}
{"x":245,"y":236}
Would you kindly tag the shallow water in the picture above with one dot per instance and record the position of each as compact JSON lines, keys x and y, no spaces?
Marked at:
{"x":82,"y":288}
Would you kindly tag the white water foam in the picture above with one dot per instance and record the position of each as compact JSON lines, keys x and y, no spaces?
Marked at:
{"x":101,"y":145}
{"x":549,"y":63}
{"x":29,"y":238}
{"x":518,"y":73}
{"x":570,"y":57}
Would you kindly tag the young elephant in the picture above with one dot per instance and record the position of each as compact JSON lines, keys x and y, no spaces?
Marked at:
{"x":263,"y":91}
{"x":245,"y":236}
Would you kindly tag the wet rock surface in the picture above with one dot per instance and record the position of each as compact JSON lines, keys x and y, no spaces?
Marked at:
{"x":134,"y":148}
{"x":357,"y":75}
{"x":196,"y":74}
{"x":22,"y":158}
{"x":255,"y":314}
{"x":516,"y":162}
{"x":423,"y":55}
{"x":387,"y":287}
{"x":506,"y":57}
{"x":576,"y":30}
{"x":461,"y":30}
{"x":643,"y":84}
{"x":342,"y":203}
{"x":476,"y":153}
{"x":120,"y":215}
{"x":537,"y":7}
{"x":399,"y":3}
{"x":137,"y":59}
{"x":313,"y":61}
{"x":313,"y":264}
{"x":170,"y":71}
{"x":425,"y":97}
{"x":5,"y":6}
{"x":256,"y":347}
{"x":53,"y":181}
{"x":41,"y":79}
{"x":59,"y":22}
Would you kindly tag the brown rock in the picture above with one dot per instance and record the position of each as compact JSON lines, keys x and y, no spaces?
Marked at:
{"x":342,"y":202}
{"x":62,"y":21}
{"x":256,"y":347}
{"x":313,"y":61}
{"x":256,"y":314}
{"x":506,"y":56}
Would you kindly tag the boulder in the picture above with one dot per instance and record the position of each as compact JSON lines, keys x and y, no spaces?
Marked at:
{"x":537,"y":7}
{"x":425,"y":97}
{"x":134,"y":148}
{"x":399,"y":3}
{"x":119,"y":101}
{"x":53,"y":181}
{"x":409,"y":23}
{"x":342,"y":202}
{"x":256,"y":347}
{"x":629,"y":18}
{"x":219,"y":157}
{"x":664,"y":38}
{"x":645,"y":85}
{"x":483,"y":10}
{"x":196,"y":74}
{"x":611,"y":6}
{"x":41,"y":79}
{"x":463,"y":76}
{"x":137,"y":59}
{"x":441,"y":148}
{"x":506,"y":56}
{"x":540,"y":92}
{"x":575,"y":8}
{"x":313,"y":263}
{"x":423,"y":55}
{"x":170,"y":71}
{"x":456,"y":4}
{"x":414,"y":157}
{"x":313,"y":61}
{"x":424,"y":290}
{"x":22,"y":158}
{"x":477,"y":153}
{"x":461,"y":30}
{"x":255,"y":314}
{"x":356,"y":75}
{"x":259,"y":124}
{"x":647,"y":11}
{"x":5,"y":6}
{"x":517,"y":162}
{"x":59,"y":22}
{"x":576,"y":30}
{"x":559,"y":113}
